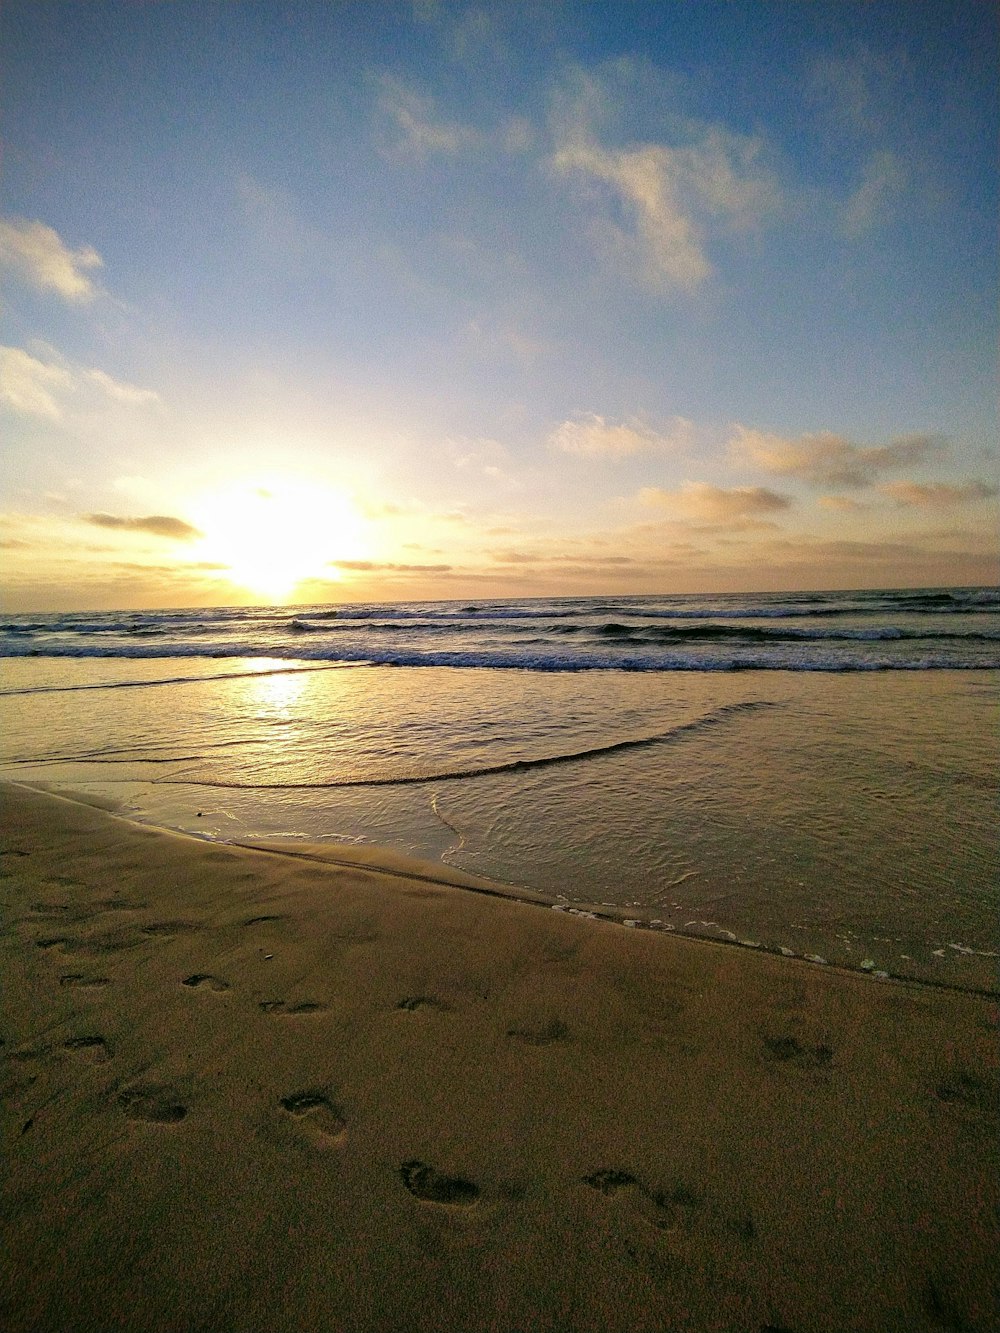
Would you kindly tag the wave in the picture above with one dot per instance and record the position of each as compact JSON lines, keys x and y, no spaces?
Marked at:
{"x":787,"y":634}
{"x":712,"y":719}
{"x":536,"y":655}
{"x":178,"y":680}
{"x":517,"y":659}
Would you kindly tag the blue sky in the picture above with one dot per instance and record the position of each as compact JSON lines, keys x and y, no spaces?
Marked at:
{"x":378,"y":300}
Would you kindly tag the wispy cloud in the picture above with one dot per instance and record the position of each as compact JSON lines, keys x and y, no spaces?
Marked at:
{"x":157,"y":525}
{"x":716,"y":504}
{"x":31,"y":387}
{"x":42,"y":259}
{"x":826,"y":459}
{"x":938,"y":494}
{"x":883,"y":179}
{"x":374,"y":567}
{"x":670,"y":192}
{"x":842,"y":504}
{"x":470,"y":34}
{"x":36,"y":387}
{"x":591,"y":436}
{"x":415,"y":124}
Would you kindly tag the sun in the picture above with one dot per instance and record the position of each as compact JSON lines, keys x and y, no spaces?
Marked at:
{"x":272,"y":533}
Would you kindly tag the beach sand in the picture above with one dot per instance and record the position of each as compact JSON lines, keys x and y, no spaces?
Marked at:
{"x":244,"y":1090}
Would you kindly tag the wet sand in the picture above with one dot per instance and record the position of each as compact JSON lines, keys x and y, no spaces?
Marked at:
{"x":243,"y":1090}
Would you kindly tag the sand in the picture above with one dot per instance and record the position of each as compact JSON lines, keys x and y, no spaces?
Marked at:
{"x":248,"y":1091}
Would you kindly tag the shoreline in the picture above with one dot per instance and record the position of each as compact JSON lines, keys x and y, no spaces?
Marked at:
{"x":247,"y":1090}
{"x":391,"y":862}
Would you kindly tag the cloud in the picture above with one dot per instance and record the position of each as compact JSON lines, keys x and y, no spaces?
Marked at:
{"x":715,"y":504}
{"x":159,"y":525}
{"x":31,"y":386}
{"x":538,"y":558}
{"x":118,"y":390}
{"x":842,"y":504}
{"x":883,"y":179}
{"x":371,"y":566}
{"x":938,"y":494}
{"x":591,"y":436}
{"x":418,"y":129}
{"x":826,"y":459}
{"x":670,"y":193}
{"x":856,"y":91}
{"x":38,"y":254}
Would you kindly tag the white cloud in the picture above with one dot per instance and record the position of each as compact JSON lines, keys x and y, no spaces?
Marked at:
{"x":665,"y":241}
{"x":938,"y":494}
{"x":670,"y":193}
{"x":715,"y":504}
{"x":883,"y":179}
{"x":30,"y":386}
{"x":591,"y":436}
{"x":417,"y":126}
{"x":42,"y":258}
{"x":826,"y":459}
{"x":121,"y":392}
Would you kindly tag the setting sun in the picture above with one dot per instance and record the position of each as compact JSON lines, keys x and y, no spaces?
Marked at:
{"x":273,"y":533}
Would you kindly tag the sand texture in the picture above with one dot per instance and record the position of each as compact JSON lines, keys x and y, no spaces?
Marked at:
{"x":246,"y":1091}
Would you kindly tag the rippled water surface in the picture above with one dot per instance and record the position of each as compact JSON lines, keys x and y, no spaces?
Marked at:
{"x":846,"y":816}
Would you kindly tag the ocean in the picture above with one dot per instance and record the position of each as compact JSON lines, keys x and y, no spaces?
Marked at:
{"x":808,"y":773}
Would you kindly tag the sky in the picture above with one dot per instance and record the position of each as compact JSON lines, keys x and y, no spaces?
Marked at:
{"x":369,"y":301}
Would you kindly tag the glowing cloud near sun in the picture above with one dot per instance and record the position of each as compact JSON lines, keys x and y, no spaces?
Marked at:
{"x":274,"y":532}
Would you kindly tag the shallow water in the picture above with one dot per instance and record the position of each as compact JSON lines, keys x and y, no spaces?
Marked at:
{"x":843,"y":816}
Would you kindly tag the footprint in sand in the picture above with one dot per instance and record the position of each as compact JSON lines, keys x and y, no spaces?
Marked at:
{"x":965,"y":1090}
{"x":668,"y":1210}
{"x":541,"y":1035}
{"x":52,"y":942}
{"x":167,"y":929}
{"x":789,"y":1050}
{"x":205,"y":981}
{"x":78,"y":979}
{"x":432,"y":1186}
{"x":314,"y":1108}
{"x":152,"y":1103}
{"x":411,"y":1004}
{"x":92,"y":1048}
{"x":294,"y":1009}
{"x":259,"y":920}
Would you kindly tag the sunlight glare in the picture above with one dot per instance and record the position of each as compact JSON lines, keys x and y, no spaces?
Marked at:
{"x":275,"y":532}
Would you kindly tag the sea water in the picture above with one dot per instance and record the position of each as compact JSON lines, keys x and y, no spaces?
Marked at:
{"x":811,"y":773}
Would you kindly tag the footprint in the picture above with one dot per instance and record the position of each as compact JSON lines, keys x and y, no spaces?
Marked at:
{"x":258,"y":920}
{"x":666,"y":1210}
{"x":791,"y":1050}
{"x":290,"y":1010}
{"x":205,"y":979}
{"x":52,"y":942}
{"x":159,"y":929}
{"x":964,"y":1089}
{"x":84,"y":982}
{"x":610,"y":1181}
{"x":314,"y":1108}
{"x":544,"y":1035}
{"x":90,"y":1048}
{"x":673,"y":1208}
{"x":411,"y":1003}
{"x":431,"y":1186}
{"x":154,"y":1104}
